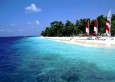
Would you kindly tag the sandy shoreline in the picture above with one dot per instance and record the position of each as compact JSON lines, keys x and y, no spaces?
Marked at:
{"x":83,"y":41}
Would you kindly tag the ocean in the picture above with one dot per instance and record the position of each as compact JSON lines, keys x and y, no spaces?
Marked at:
{"x":33,"y":59}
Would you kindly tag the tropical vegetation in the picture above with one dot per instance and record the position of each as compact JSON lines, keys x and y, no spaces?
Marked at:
{"x":58,"y":28}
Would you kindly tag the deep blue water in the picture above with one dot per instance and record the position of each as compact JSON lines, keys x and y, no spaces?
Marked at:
{"x":33,"y":59}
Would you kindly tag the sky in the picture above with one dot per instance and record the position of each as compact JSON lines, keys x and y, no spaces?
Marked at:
{"x":30,"y":17}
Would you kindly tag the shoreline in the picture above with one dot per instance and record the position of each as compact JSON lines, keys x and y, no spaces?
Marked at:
{"x":84,"y":42}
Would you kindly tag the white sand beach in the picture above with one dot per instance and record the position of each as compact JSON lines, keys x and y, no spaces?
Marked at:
{"x":102,"y":42}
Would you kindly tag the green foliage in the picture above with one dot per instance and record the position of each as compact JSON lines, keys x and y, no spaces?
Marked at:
{"x":58,"y":28}
{"x":101,"y":24}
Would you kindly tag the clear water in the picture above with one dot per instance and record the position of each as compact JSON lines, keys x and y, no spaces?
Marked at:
{"x":33,"y":59}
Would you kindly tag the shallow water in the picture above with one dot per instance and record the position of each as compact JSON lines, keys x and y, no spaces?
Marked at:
{"x":33,"y":59}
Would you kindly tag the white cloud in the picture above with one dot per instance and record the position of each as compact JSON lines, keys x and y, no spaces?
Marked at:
{"x":37,"y":22}
{"x":6,"y":30}
{"x":33,"y":24}
{"x":9,"y":30}
{"x":20,"y":30}
{"x":32,"y":8}
{"x":12,"y":24}
{"x":29,"y":23}
{"x":37,"y":30}
{"x":32,"y":27}
{"x":1,"y":30}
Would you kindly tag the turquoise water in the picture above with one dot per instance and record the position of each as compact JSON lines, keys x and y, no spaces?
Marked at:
{"x":34,"y":59}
